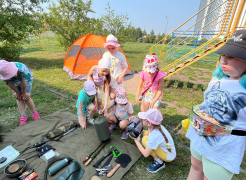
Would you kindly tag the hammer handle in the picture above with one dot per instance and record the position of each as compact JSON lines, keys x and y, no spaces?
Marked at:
{"x":111,"y":173}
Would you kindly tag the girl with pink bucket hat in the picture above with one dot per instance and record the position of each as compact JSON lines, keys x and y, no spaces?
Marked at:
{"x":118,"y":63}
{"x":121,"y":111}
{"x":19,"y":78}
{"x":157,"y":141}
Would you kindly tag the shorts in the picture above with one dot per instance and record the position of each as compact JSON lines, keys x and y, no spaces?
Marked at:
{"x":212,"y":170}
{"x":84,"y":110}
{"x":99,"y":92}
{"x":149,"y":100}
{"x":117,"y":120}
{"x":28,"y":88}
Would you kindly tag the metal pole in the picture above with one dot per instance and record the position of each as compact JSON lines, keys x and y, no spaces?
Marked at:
{"x":165,"y":30}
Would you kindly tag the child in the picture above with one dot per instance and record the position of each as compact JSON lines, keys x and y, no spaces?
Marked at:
{"x":19,"y":78}
{"x":153,"y":80}
{"x":219,"y":157}
{"x":86,"y":100}
{"x":118,"y":63}
{"x":157,"y":140}
{"x":101,"y":76}
{"x":121,"y":111}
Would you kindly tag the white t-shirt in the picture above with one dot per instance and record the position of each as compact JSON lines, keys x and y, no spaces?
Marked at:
{"x":225,"y":100}
{"x":121,"y":111}
{"x":156,"y":139}
{"x":118,"y":61}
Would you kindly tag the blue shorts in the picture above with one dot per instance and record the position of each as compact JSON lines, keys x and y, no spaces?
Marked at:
{"x":28,"y":88}
{"x":84,"y":109}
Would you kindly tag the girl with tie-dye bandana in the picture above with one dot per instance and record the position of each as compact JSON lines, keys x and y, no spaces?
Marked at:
{"x":153,"y":80}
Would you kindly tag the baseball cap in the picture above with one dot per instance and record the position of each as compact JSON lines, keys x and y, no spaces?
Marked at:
{"x":235,"y":46}
{"x":90,"y":88}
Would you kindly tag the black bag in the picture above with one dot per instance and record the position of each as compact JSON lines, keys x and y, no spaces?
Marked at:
{"x":135,"y":127}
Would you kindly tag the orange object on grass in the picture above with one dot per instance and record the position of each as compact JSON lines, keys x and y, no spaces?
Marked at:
{"x":84,"y":53}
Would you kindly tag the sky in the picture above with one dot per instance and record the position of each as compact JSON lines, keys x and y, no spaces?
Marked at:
{"x":159,"y":15}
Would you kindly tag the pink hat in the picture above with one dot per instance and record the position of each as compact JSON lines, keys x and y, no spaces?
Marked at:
{"x":90,"y":88}
{"x":7,"y":69}
{"x":154,"y":116}
{"x":121,"y":96}
{"x":111,"y":40}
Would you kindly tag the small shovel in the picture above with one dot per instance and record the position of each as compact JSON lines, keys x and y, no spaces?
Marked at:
{"x":122,"y":161}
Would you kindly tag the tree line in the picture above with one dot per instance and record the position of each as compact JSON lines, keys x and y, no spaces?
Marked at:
{"x":69,"y":19}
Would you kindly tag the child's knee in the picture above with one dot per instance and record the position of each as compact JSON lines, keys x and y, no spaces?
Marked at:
{"x":123,"y":124}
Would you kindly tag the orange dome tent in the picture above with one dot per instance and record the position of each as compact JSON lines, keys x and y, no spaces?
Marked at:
{"x":84,"y":53}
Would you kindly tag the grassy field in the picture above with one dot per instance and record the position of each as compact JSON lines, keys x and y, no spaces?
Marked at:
{"x":181,"y":92}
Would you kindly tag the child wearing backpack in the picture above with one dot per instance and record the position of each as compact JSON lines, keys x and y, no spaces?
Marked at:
{"x":121,"y":111}
{"x":153,"y":81}
{"x":118,"y":63}
{"x":218,"y":156}
{"x":157,"y":141}
{"x":100,"y":75}
{"x":19,"y":78}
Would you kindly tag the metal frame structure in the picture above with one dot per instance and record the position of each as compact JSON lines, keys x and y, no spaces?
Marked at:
{"x":228,"y":21}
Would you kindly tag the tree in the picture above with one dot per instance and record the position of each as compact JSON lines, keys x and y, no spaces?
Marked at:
{"x":69,"y":19}
{"x":152,"y":36}
{"x":17,"y":19}
{"x":115,"y":24}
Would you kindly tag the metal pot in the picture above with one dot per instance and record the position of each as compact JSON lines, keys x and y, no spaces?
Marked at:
{"x":22,"y":166}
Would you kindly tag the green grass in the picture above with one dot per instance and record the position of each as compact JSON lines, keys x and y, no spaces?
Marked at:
{"x":46,"y":65}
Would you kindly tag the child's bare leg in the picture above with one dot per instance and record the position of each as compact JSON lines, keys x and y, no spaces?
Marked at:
{"x":92,"y":108}
{"x":111,"y":118}
{"x":99,"y":103}
{"x":123,"y":124}
{"x":144,"y":106}
{"x":112,"y":92}
{"x":21,"y":106}
{"x":196,"y":170}
{"x":82,"y":121}
{"x":30,"y":103}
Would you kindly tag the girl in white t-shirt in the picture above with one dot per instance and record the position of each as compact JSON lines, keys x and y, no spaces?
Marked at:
{"x":157,"y":141}
{"x":121,"y":110}
{"x":118,"y":63}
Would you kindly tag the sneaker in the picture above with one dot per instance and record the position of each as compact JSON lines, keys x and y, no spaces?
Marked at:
{"x":155,"y":167}
{"x":112,"y":127}
{"x":35,"y":115}
{"x":124,"y":135}
{"x":90,"y":120}
{"x":23,"y":120}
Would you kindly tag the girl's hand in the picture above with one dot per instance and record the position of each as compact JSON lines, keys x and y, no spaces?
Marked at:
{"x":25,"y":96}
{"x":82,"y":124}
{"x":100,"y":111}
{"x":132,"y":117}
{"x":137,"y":101}
{"x":152,"y":104}
{"x":133,"y":138}
{"x":119,"y":79}
{"x":17,"y":96}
